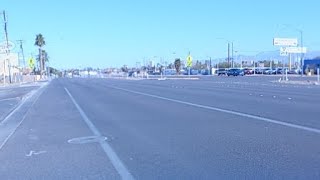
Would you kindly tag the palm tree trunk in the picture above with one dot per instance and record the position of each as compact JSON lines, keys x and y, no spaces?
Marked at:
{"x":40,"y":61}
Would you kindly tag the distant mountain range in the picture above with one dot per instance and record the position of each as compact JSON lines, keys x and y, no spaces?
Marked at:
{"x":312,"y":54}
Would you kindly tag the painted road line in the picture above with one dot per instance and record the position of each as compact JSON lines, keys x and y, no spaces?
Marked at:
{"x":269,"y":120}
{"x":111,"y":154}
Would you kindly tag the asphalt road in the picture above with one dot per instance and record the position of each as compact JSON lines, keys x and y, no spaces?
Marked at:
{"x":213,"y":128}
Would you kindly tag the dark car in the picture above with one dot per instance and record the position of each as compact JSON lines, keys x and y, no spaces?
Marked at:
{"x":235,"y":72}
{"x":221,"y":72}
{"x":192,"y":72}
{"x":130,"y":73}
{"x":259,"y":71}
{"x":281,"y":70}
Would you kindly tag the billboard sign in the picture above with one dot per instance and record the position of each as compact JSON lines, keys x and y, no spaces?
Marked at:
{"x":293,"y":50}
{"x":285,"y":42}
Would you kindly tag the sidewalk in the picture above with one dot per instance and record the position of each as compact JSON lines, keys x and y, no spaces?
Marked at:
{"x":301,"y":82}
{"x":12,"y":95}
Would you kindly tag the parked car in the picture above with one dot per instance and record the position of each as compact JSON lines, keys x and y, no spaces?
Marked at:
{"x":270,"y":71}
{"x":192,"y":72}
{"x":221,"y":72}
{"x":170,"y":72}
{"x":156,"y":73}
{"x":248,"y":71}
{"x":259,"y":71}
{"x":281,"y":70}
{"x":131,"y":74}
{"x":265,"y":70}
{"x":205,"y":72}
{"x":294,"y":71}
{"x":235,"y":72}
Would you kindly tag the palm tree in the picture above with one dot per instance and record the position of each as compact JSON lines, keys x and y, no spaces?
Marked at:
{"x":177,"y":65}
{"x":45,"y":58}
{"x":40,"y":42}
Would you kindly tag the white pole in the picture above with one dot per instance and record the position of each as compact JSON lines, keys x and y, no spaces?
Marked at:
{"x":286,"y":74}
{"x":318,"y":70}
{"x":290,"y":59}
{"x":4,"y":72}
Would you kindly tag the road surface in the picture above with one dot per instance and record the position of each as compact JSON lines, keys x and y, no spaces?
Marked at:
{"x":213,"y":128}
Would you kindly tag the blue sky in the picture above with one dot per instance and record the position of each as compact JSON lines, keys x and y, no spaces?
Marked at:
{"x":110,"y":33}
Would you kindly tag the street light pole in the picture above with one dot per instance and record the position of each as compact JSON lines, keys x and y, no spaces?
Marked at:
{"x":210,"y":67}
{"x":229,"y":43}
{"x":232,"y":55}
{"x":228,"y":55}
{"x":301,"y":54}
{"x":301,"y":44}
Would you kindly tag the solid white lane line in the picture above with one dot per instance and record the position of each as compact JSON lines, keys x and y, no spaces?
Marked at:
{"x":115,"y":160}
{"x":309,"y":129}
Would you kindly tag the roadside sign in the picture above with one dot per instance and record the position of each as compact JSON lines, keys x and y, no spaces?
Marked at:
{"x":3,"y":46}
{"x":293,"y":50}
{"x":296,"y":50}
{"x":31,"y":63}
{"x":189,"y":61}
{"x":285,"y":41}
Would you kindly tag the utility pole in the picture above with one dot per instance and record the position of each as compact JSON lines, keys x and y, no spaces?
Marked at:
{"x":7,"y":48}
{"x":210,"y":67}
{"x":301,"y":54}
{"x":22,"y":52}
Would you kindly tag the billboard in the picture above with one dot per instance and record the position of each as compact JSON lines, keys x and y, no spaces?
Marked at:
{"x":285,"y":42}
{"x":293,"y":50}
